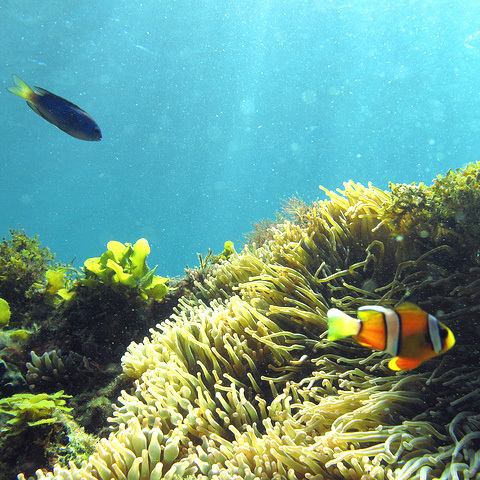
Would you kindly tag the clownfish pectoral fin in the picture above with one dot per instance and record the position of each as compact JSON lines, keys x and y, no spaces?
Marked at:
{"x":402,"y":363}
{"x":341,"y":325}
{"x":21,"y":89}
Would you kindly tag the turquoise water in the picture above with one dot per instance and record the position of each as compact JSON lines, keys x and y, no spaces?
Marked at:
{"x":214,"y":111}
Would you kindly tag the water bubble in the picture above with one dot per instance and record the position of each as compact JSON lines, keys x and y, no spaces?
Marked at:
{"x":247,"y":107}
{"x":309,"y":97}
{"x":295,"y":147}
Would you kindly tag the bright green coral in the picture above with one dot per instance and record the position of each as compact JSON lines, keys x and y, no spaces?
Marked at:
{"x":4,"y":312}
{"x":55,"y":280}
{"x":124,"y":265}
{"x":57,"y":285}
{"x":228,"y":249}
{"x":27,"y":410}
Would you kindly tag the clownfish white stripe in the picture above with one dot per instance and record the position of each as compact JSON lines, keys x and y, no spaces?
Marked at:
{"x":393,"y":328}
{"x":393,"y":332}
{"x":434,"y":333}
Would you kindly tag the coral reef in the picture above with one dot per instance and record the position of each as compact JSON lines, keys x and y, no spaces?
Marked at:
{"x":23,"y":263}
{"x":4,"y":312}
{"x":448,"y":207}
{"x":48,"y":320}
{"x":43,"y":422}
{"x":50,"y":308}
{"x":125,"y":266}
{"x":241,"y":383}
{"x":117,"y":293}
{"x":27,"y":410}
{"x":46,"y":369}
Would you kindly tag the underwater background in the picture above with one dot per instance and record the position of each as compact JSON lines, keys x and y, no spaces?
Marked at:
{"x":212,"y":112}
{"x":217,"y":116}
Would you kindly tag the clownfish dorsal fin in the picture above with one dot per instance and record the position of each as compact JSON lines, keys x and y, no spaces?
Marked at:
{"x":366,"y":313}
{"x":408,"y":307}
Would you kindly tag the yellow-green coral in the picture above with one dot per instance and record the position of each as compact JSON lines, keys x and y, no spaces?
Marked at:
{"x":125,"y":265}
{"x":27,"y":410}
{"x":56,"y":285}
{"x":4,"y":312}
{"x":228,"y":249}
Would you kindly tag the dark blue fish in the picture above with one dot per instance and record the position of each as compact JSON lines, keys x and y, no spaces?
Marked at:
{"x":54,"y":109}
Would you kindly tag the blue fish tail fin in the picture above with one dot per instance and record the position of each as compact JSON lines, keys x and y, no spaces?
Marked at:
{"x":341,"y":325}
{"x":21,"y":88}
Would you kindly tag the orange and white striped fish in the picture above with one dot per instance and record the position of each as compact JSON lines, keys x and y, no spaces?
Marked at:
{"x":406,"y":332}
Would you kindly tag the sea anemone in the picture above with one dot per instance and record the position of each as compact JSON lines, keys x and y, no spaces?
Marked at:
{"x":240,"y":383}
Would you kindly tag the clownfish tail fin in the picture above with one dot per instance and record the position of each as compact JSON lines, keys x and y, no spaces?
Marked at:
{"x":341,"y":325}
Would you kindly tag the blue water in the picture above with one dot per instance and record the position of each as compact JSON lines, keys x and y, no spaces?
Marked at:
{"x":214,"y":111}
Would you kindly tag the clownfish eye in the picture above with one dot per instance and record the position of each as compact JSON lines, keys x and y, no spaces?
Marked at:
{"x":443,"y":333}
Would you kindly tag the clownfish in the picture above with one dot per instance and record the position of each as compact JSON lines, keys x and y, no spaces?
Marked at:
{"x":60,"y":112}
{"x":406,"y":332}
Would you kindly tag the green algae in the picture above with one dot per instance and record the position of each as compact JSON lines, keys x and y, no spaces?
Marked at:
{"x":28,"y":410}
{"x":450,"y":207}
